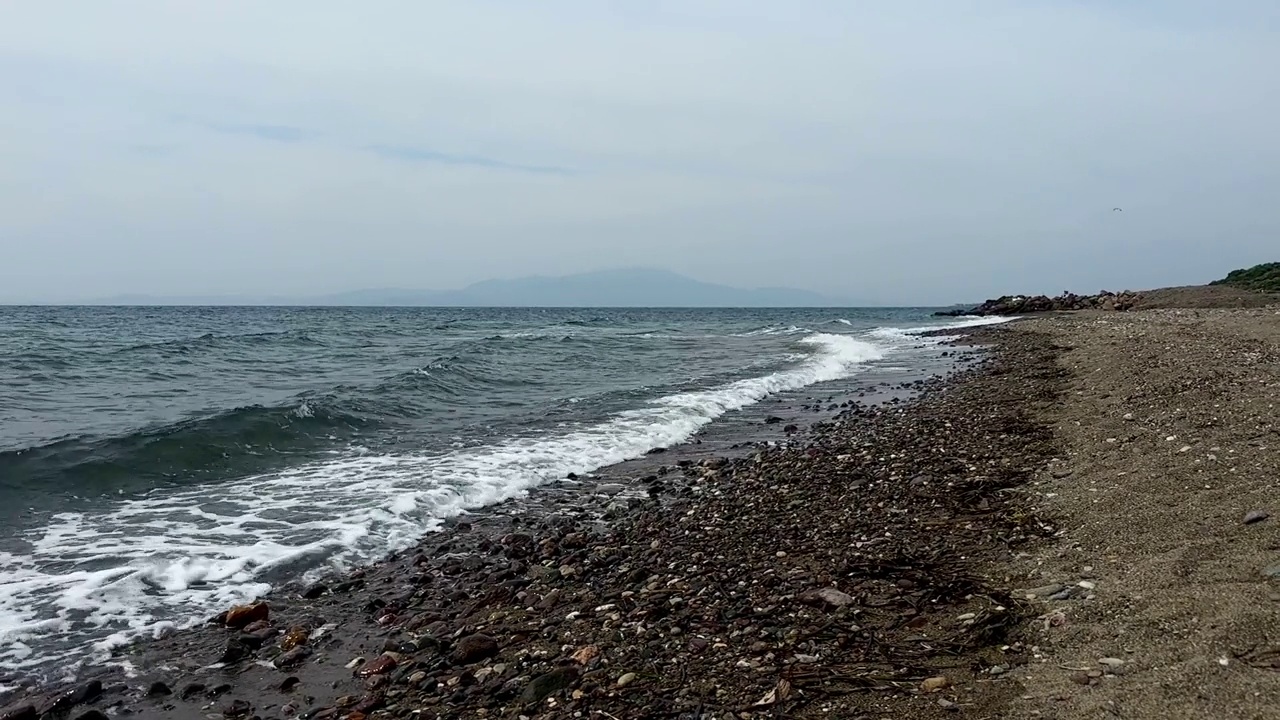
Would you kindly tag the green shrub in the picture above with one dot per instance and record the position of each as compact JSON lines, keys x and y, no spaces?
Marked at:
{"x":1259,"y":278}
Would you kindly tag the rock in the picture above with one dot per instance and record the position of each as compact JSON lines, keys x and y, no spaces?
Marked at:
{"x":1024,"y":304}
{"x":1081,"y":678}
{"x":242,"y":615}
{"x":92,"y":715}
{"x":295,"y":637}
{"x":19,"y":711}
{"x":1046,"y":590}
{"x":584,"y":655}
{"x":934,"y":684}
{"x":192,"y":690}
{"x":998,"y":670}
{"x":236,"y":650}
{"x":237,"y":708}
{"x":772,"y":420}
{"x":827,"y":597}
{"x":1110,"y":662}
{"x":289,"y":683}
{"x":377,"y":666}
{"x":158,"y":689}
{"x":1255,"y":516}
{"x":314,"y":591}
{"x":474,"y":648}
{"x":87,"y":692}
{"x":1062,"y":473}
{"x":294,"y":657}
{"x":1272,"y":571}
{"x":626,"y":679}
{"x":548,"y":683}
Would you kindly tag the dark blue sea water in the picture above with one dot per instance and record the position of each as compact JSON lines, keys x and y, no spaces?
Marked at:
{"x":158,"y":464}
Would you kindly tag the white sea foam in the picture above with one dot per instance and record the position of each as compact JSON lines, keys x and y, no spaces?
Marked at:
{"x":895,"y":335}
{"x":773,"y":330}
{"x":95,"y":580}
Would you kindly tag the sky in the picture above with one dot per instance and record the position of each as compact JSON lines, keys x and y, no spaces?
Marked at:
{"x":905,"y":152}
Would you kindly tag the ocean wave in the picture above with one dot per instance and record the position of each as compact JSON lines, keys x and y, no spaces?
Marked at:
{"x":190,"y":450}
{"x":774,"y":330}
{"x":213,"y":340}
{"x":181,"y":553}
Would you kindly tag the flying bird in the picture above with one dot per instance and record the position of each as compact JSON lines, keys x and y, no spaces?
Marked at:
{"x":1116,"y":210}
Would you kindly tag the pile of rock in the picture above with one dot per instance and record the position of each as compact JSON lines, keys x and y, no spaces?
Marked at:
{"x":1024,"y":304}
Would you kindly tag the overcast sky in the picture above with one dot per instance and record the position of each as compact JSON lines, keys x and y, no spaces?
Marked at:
{"x":900,"y":151}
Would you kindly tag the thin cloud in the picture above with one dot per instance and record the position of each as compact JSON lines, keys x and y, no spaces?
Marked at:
{"x":274,"y":133}
{"x":410,"y":154}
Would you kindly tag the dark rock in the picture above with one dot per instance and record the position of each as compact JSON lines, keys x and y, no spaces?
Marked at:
{"x":158,"y":689}
{"x":772,"y":420}
{"x":237,"y":708}
{"x":19,"y":711}
{"x":294,"y":657}
{"x":474,"y":648}
{"x":1023,"y":304}
{"x":92,"y":715}
{"x":544,"y":685}
{"x":314,"y":591}
{"x":192,"y":690}
{"x":69,"y":699}
{"x":289,"y":683}
{"x":370,"y":702}
{"x":236,"y":650}
{"x":1254,"y":516}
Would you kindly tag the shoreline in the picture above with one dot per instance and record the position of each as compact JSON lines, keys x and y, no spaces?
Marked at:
{"x":687,"y":602}
{"x":600,"y":498}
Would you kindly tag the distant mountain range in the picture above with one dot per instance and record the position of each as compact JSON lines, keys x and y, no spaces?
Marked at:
{"x":609,"y":288}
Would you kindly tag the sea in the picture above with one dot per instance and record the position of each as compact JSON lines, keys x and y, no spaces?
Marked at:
{"x":158,"y":464}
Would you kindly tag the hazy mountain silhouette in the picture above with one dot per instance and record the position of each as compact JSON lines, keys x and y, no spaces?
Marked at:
{"x":633,"y":287}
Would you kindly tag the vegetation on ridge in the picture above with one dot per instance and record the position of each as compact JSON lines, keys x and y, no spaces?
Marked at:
{"x":1259,"y":278}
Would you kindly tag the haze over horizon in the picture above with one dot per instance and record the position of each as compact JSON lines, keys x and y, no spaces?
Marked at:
{"x":919,"y":153}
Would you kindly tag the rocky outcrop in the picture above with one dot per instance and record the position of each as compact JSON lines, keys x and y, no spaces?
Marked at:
{"x":1024,"y":304}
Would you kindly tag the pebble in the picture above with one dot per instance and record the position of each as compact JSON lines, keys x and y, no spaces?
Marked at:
{"x":1045,"y":590}
{"x":1087,"y":585}
{"x":935,"y":684}
{"x":474,"y":648}
{"x":1254,"y":516}
{"x":241,"y":615}
{"x":382,"y":664}
{"x":1110,"y":662}
{"x":548,"y":683}
{"x":626,"y":679}
{"x":827,"y":596}
{"x":966,"y":616}
{"x":998,"y":670}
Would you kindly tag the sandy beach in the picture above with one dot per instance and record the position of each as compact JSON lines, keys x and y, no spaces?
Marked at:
{"x":1074,"y":526}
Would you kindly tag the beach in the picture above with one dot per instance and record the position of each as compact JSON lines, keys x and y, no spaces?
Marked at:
{"x":1071,"y":524}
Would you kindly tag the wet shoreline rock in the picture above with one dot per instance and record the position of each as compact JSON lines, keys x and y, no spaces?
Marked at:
{"x":1027,"y":304}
